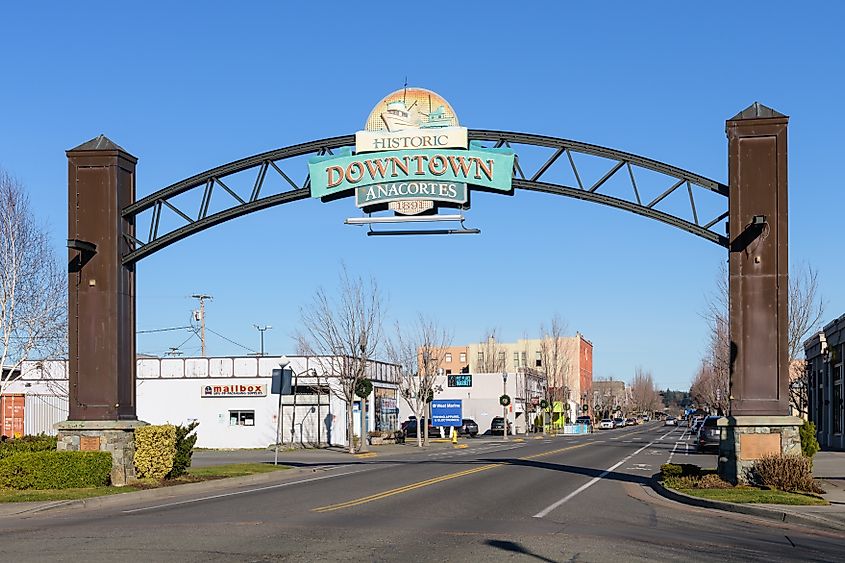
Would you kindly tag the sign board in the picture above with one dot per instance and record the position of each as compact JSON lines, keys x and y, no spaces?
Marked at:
{"x":89,"y":443}
{"x":235,"y":390}
{"x":446,"y":412}
{"x":459,"y":380}
{"x":282,"y":382}
{"x":411,"y":157}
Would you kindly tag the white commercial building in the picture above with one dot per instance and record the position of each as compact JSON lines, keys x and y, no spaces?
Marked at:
{"x":480,"y":392}
{"x":230,"y":397}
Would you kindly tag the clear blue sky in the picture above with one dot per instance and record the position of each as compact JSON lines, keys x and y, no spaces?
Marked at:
{"x":189,"y":86}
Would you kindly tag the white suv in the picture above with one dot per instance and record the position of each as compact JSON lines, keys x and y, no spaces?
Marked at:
{"x":606,"y":424}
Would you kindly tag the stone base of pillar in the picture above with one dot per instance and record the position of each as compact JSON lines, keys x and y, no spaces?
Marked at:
{"x":745,"y":439}
{"x":114,"y":436}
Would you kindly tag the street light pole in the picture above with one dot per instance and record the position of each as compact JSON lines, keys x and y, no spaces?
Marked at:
{"x":283,"y":363}
{"x":504,"y":407}
{"x":261,"y":329}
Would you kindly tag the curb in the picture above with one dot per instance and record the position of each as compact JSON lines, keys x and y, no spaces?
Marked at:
{"x":770,"y":513}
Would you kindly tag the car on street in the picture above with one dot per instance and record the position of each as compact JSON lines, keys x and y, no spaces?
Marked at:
{"x":585,"y":420}
{"x":630,"y":422}
{"x":619,"y":423}
{"x":695,"y":425}
{"x":497,"y":426}
{"x":468,"y":427}
{"x":670,"y":421}
{"x":606,"y":424}
{"x":708,"y":434}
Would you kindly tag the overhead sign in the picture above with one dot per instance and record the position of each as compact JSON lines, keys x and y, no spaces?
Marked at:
{"x":446,"y":412}
{"x":412,"y":149}
{"x":238,"y":390}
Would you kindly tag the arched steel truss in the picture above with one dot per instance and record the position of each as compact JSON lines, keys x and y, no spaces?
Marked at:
{"x":207,"y":182}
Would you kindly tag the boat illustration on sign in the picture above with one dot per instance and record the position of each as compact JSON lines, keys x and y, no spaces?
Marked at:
{"x":437,"y":118}
{"x":398,"y":117}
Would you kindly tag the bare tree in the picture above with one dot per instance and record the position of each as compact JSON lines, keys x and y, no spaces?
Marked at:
{"x":33,"y":288}
{"x":554,"y":357}
{"x":344,"y":335}
{"x":806,"y":309}
{"x":492,"y":354}
{"x":644,"y":394}
{"x":418,"y":350}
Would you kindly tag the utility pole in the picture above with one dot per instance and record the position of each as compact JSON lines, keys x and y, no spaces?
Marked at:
{"x":202,"y":297}
{"x":261,"y":329}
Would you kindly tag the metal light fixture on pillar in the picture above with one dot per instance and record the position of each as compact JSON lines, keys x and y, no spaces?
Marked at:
{"x":504,"y":406}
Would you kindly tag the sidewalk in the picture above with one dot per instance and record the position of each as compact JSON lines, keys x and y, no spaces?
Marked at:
{"x":828,"y":467}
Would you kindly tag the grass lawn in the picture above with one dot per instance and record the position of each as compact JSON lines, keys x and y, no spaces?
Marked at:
{"x":753,"y":495}
{"x":12,"y":495}
{"x":194,"y":475}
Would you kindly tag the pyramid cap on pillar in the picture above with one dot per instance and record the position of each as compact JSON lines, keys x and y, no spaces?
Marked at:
{"x":757,"y":111}
{"x":101,"y":143}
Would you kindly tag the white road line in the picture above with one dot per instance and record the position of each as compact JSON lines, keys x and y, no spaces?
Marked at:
{"x":672,"y":453}
{"x":587,"y":485}
{"x":224,"y":495}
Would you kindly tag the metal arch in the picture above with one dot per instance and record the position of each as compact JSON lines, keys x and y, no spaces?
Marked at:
{"x":207,"y":181}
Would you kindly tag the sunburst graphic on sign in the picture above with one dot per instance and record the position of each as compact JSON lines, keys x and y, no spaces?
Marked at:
{"x":411,"y":108}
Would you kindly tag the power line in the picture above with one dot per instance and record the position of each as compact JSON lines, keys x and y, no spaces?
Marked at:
{"x":232,"y":341}
{"x":163,"y":329}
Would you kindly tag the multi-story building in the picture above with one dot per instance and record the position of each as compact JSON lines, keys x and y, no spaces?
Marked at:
{"x":570,"y":383}
{"x":609,"y":397}
{"x":825,"y":380}
{"x":455,"y":360}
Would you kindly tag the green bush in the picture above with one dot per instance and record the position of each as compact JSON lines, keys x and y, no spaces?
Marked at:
{"x":791,"y":473}
{"x":32,"y":443}
{"x":809,"y":444}
{"x":155,"y":450}
{"x":55,"y":470}
{"x":671,"y":470}
{"x":184,"y":449}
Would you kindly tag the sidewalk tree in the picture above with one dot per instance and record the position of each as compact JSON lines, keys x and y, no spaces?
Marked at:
{"x":644,"y":394}
{"x":33,"y":288}
{"x":343,"y":330}
{"x":418,"y":350}
{"x":492,"y":354}
{"x":554,"y":360}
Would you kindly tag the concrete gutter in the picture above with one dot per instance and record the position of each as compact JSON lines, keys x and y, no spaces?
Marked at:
{"x":813,"y":516}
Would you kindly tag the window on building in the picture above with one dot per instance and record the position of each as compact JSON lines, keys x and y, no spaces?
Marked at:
{"x":448,"y":358}
{"x":448,"y":372}
{"x":516,"y":359}
{"x":241,"y":418}
{"x":480,"y":357}
{"x":463,"y":357}
{"x":538,"y":362}
{"x":525,"y":359}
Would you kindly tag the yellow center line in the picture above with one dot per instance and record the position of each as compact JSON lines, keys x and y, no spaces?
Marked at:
{"x":434,"y":481}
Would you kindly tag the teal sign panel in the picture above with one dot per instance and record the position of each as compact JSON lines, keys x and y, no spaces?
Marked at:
{"x":490,"y":168}
{"x":374,"y":194}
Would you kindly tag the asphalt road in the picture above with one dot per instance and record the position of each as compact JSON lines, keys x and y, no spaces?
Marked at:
{"x":561,"y":499}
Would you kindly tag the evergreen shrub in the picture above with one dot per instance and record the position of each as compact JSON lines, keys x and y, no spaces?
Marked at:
{"x":55,"y":470}
{"x":155,"y":450}
{"x":185,"y":442}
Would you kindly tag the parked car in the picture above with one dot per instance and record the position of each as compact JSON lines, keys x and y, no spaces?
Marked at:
{"x":606,"y":424}
{"x":619,"y":423}
{"x":630,"y":422}
{"x":497,"y":426}
{"x":409,"y":428}
{"x":708,"y":434}
{"x":468,"y":427}
{"x":584,"y":420}
{"x":695,"y":425}
{"x":670,"y":421}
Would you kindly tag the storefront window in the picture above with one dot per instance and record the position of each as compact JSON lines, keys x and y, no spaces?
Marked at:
{"x":837,"y":399}
{"x":386,"y":409}
{"x":241,"y":418}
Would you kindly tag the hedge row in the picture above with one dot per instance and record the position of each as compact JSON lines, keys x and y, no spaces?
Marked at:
{"x":55,"y":470}
{"x":37,"y":443}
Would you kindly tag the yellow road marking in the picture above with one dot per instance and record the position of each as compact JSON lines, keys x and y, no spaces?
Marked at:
{"x":434,"y":481}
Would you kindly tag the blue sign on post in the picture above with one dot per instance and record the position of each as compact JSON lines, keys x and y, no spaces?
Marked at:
{"x":446,"y":412}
